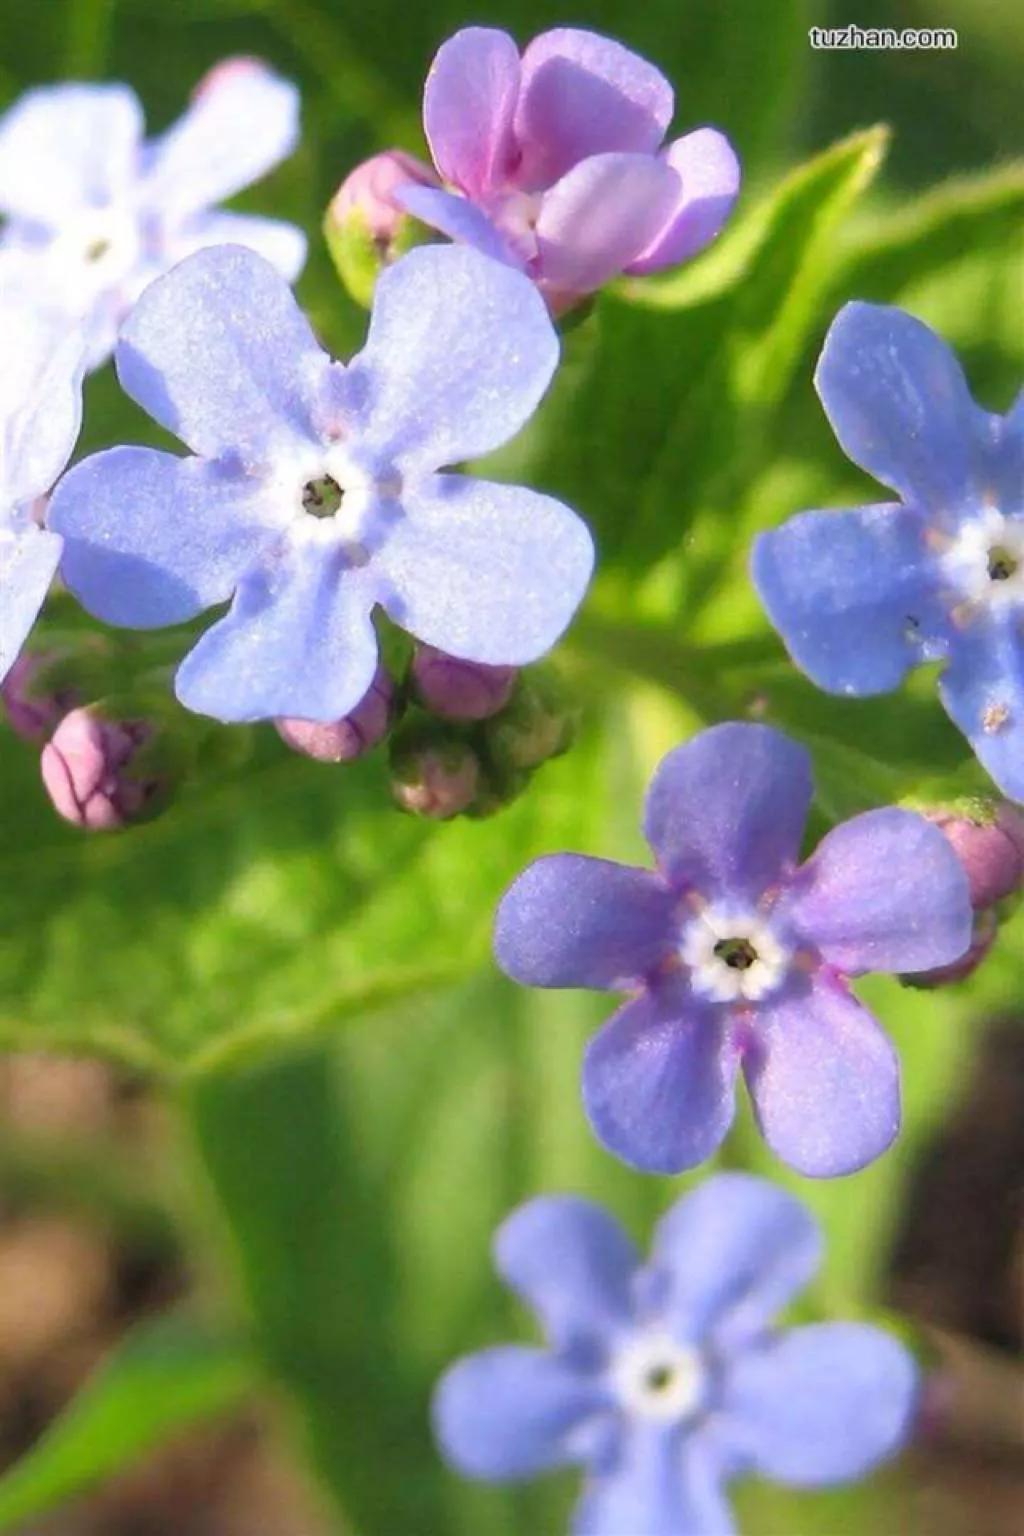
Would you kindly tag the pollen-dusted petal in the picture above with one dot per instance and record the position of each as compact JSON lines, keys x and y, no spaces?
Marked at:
{"x":283,"y":245}
{"x":486,"y":572}
{"x":726,"y":811}
{"x":658,"y":1482}
{"x":573,"y":921}
{"x":582,"y":95}
{"x":68,"y":147}
{"x":709,"y":183}
{"x":468,"y":103}
{"x":457,"y":218}
{"x":28,"y":562}
{"x":983,"y":691}
{"x":599,"y":217}
{"x":40,"y":399}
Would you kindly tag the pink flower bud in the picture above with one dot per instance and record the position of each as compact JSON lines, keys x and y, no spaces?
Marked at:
{"x":368,"y":191}
{"x":227,"y":70}
{"x":460,"y":690}
{"x":341,"y":741}
{"x":989,"y":842}
{"x":102,"y":772}
{"x":434,"y":771}
{"x":33,"y":710}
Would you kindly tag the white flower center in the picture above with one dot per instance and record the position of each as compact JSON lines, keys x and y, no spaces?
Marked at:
{"x":96,"y":250}
{"x":732,"y":955}
{"x":985,"y":562}
{"x":327,"y":497}
{"x":656,"y":1378}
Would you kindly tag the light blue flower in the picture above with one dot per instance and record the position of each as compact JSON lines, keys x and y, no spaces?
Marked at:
{"x":666,"y":1380}
{"x":861,"y":596}
{"x":313,"y":495}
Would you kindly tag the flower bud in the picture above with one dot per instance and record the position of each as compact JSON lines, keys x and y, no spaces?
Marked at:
{"x":43,"y":685}
{"x":341,"y":741}
{"x":538,"y":723}
{"x":988,"y":839}
{"x":434,"y":771}
{"x":103,"y":769}
{"x":365,"y":227}
{"x":986,"y":927}
{"x":460,"y":690}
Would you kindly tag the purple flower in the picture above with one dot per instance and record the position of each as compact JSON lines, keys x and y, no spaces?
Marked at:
{"x":312,"y":497}
{"x":735,"y":956}
{"x":94,"y":213}
{"x":861,"y":596}
{"x":40,"y":414}
{"x":666,"y":1380}
{"x":557,"y":163}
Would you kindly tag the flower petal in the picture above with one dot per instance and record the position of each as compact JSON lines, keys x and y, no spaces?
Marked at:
{"x":983,"y":690}
{"x":709,"y":176}
{"x":726,"y":811}
{"x":883,"y":892}
{"x":489,"y":573}
{"x":824,"y":1079}
{"x":584,"y":95}
{"x":599,"y":217}
{"x":68,"y":147}
{"x":573,"y":921}
{"x":459,"y":352}
{"x":899,"y":405}
{"x":151,"y":539}
{"x":283,"y":245}
{"x":40,"y":399}
{"x":457,"y":218}
{"x":220,"y":354}
{"x":661,"y":1483}
{"x":729,"y":1256}
{"x":468,"y":103}
{"x":822,"y":1404}
{"x":854,"y":594}
{"x":28,"y":562}
{"x":510,"y":1412}
{"x":298,"y":642}
{"x":243,"y":120}
{"x":658,"y":1082}
{"x":572,"y":1263}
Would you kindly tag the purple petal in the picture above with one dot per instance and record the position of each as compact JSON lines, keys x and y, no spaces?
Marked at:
{"x":573,"y":921}
{"x":488,"y":573}
{"x":709,"y":176}
{"x":726,"y":811}
{"x":822,"y":1404}
{"x":599,"y":217}
{"x":660,"y":1483}
{"x":730,"y":1255}
{"x":883,"y":892}
{"x":585,"y":95}
{"x":298,"y":641}
{"x":459,"y":352}
{"x":243,"y":121}
{"x":220,"y":354}
{"x":283,"y":245}
{"x":152,"y":539}
{"x":853,"y":594}
{"x":824,"y":1079}
{"x":64,"y":148}
{"x":28,"y":562}
{"x":658,"y":1082}
{"x":511,"y":1412}
{"x":40,"y":399}
{"x":573,"y":1264}
{"x":468,"y":103}
{"x":983,"y":690}
{"x":899,"y":405}
{"x":457,"y":218}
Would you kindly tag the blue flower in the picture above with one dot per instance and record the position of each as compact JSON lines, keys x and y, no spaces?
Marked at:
{"x":94,"y":213}
{"x":40,"y":414}
{"x":861,"y":596}
{"x":666,"y":1380}
{"x":313,"y":495}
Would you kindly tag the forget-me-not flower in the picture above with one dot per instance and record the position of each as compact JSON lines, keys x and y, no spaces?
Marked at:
{"x":861,"y":596}
{"x":737,"y":956}
{"x":94,"y":213}
{"x":556,"y":161}
{"x":313,"y":495}
{"x":666,"y":1380}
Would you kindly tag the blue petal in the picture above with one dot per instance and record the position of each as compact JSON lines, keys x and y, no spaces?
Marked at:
{"x":822,"y":1404}
{"x":457,"y":218}
{"x":572,"y":1263}
{"x":459,"y":352}
{"x":511,"y":1412}
{"x":854,"y":594}
{"x":572,"y":921}
{"x":725,"y":812}
{"x":983,"y":690}
{"x":899,"y":405}
{"x":64,"y":148}
{"x":489,"y":573}
{"x":152,"y":539}
{"x":659,"y":1484}
{"x":28,"y":562}
{"x":40,"y":398}
{"x":729,"y":1256}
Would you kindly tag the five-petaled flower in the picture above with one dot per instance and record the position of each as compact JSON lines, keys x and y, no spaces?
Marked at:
{"x":668,"y":1379}
{"x":94,"y":214}
{"x":861,"y":596}
{"x":313,"y":496}
{"x":556,"y":161}
{"x":40,"y":414}
{"x":738,"y":956}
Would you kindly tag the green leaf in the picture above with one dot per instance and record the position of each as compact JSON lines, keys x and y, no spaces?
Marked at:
{"x":165,"y":1377}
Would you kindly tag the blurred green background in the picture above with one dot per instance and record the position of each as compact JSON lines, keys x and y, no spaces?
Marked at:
{"x":321,"y":1098}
